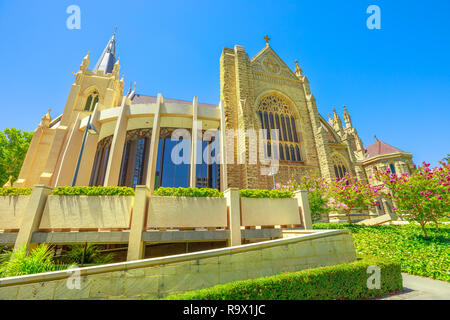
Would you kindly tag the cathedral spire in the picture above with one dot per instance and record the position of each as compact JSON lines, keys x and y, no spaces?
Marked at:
{"x":347,"y":119}
{"x":108,"y":57}
{"x":298,"y":70}
{"x":337,"y":123}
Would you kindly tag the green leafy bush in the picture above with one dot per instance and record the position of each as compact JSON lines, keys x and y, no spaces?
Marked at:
{"x":404,"y":244}
{"x":343,"y":281}
{"x":93,"y":191}
{"x":188,"y":192}
{"x":19,"y":262}
{"x":15,"y":191}
{"x":87,"y":254}
{"x":316,"y":187}
{"x":261,"y":193}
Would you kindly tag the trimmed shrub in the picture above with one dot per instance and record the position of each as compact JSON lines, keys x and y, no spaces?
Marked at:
{"x":343,"y":281}
{"x":404,"y":244}
{"x":188,"y":192}
{"x":15,"y":191}
{"x":262,"y":193}
{"x":93,"y":191}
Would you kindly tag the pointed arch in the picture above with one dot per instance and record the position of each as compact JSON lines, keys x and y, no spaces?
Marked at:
{"x":276,"y":111}
{"x":340,"y":165}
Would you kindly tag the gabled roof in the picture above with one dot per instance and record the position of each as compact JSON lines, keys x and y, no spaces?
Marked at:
{"x":268,"y":51}
{"x":108,"y":57}
{"x":142,"y":99}
{"x":378,"y":148}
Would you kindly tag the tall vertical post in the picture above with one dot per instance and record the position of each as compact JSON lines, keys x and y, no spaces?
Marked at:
{"x":135,"y":244}
{"x":118,"y":141}
{"x":223,"y":149}
{"x":303,"y":203}
{"x":32,"y":215}
{"x":69,"y":154}
{"x":153,"y":157}
{"x":77,"y":167}
{"x":234,"y":205}
{"x":90,"y":148}
{"x":194,"y":139}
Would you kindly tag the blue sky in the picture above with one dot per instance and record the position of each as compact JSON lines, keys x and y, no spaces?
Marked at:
{"x":395,"y":81}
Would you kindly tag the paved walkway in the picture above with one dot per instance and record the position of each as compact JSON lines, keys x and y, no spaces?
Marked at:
{"x":420,"y":288}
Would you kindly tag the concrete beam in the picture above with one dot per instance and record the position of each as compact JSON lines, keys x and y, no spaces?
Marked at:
{"x":234,"y":207}
{"x":303,"y":203}
{"x":118,"y":141}
{"x":32,"y":215}
{"x":194,"y":139}
{"x":135,"y":243}
{"x":153,"y":156}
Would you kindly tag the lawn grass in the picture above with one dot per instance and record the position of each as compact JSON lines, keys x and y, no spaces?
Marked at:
{"x":404,"y":244}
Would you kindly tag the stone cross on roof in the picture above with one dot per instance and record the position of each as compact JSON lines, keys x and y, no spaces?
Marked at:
{"x":267,"y":39}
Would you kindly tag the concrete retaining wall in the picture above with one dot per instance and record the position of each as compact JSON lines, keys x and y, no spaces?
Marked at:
{"x":87,"y":212}
{"x":12,"y":209}
{"x":186,"y":212}
{"x":159,"y":277}
{"x":264,"y":212}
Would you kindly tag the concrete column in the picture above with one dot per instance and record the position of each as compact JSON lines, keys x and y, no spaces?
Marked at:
{"x":135,"y":245}
{"x":69,"y":157}
{"x":194,"y":139}
{"x":32,"y":215}
{"x":234,"y":205}
{"x":303,"y":203}
{"x":87,"y":160}
{"x":153,"y":156}
{"x":222,"y":147}
{"x":90,"y":148}
{"x":116,"y":151}
{"x":28,"y":163}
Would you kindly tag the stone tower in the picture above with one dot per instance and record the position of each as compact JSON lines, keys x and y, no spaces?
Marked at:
{"x":92,"y":91}
{"x":265,"y":84}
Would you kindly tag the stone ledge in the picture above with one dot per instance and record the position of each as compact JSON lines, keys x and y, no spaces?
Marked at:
{"x":121,"y":266}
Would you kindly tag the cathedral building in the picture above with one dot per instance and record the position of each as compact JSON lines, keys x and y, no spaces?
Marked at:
{"x":107,"y":137}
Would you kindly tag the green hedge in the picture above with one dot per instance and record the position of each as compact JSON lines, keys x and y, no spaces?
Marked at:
{"x":343,"y":281}
{"x":15,"y":191}
{"x":187,"y":192}
{"x":261,"y":193}
{"x":93,"y":191}
{"x":403,"y":244}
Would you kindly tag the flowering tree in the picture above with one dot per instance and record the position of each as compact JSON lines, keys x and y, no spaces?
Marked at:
{"x":316,"y":187}
{"x":349,"y":193}
{"x":422,"y":197}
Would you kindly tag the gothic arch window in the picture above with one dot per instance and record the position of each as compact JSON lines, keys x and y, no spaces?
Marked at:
{"x":275,"y":112}
{"x":339,"y":166}
{"x":91,"y":101}
{"x":133,"y":169}
{"x":100,"y":162}
{"x":392,"y":167}
{"x":297,"y":151}
{"x":207,"y":172}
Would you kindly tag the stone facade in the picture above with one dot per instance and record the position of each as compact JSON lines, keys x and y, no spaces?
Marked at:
{"x":250,"y":90}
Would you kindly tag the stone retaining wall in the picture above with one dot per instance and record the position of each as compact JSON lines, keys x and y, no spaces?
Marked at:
{"x":159,"y":277}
